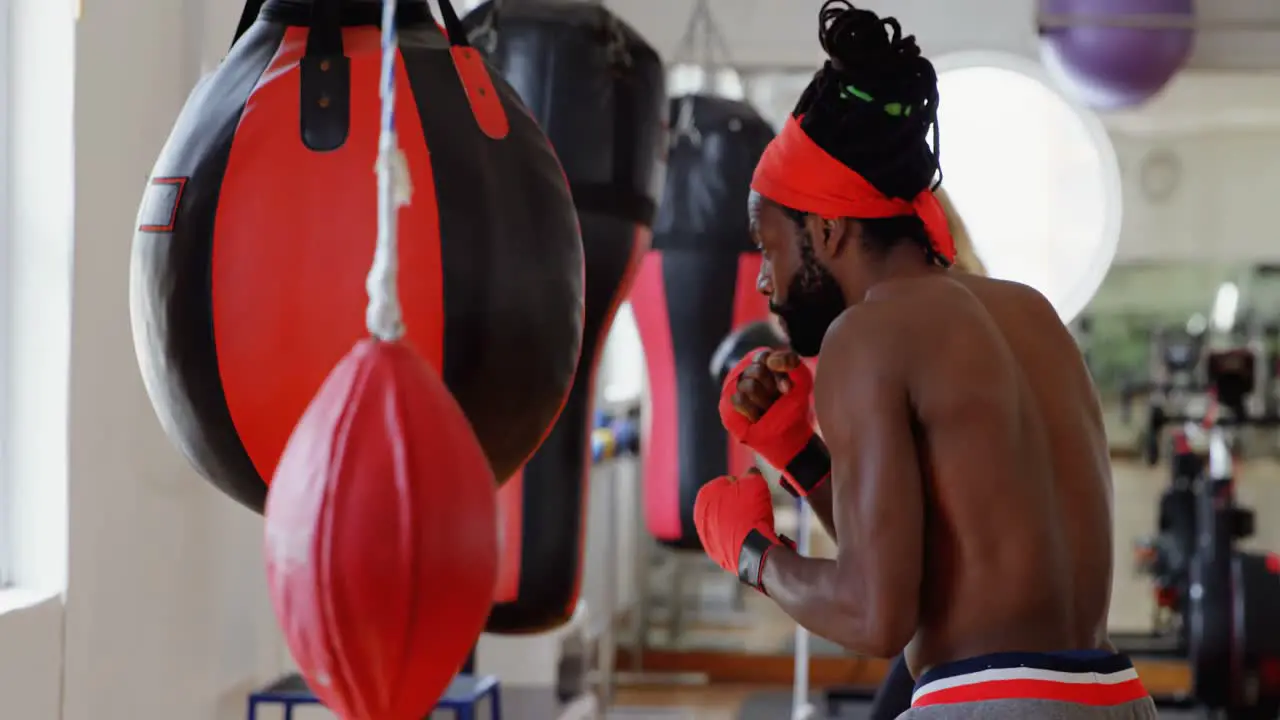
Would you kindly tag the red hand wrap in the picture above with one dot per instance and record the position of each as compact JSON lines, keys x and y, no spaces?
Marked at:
{"x":734,"y":518}
{"x":784,"y":431}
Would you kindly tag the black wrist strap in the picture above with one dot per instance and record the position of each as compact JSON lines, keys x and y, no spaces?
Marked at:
{"x":751,"y":557}
{"x":809,"y":468}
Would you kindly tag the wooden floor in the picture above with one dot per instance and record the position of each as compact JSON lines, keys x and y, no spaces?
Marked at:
{"x":1137,"y":490}
{"x":706,"y":703}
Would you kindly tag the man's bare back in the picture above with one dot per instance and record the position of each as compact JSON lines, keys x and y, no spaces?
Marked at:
{"x":1015,"y":465}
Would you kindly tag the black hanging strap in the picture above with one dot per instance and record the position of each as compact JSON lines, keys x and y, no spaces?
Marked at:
{"x":247,"y":17}
{"x":325,"y":101}
{"x":324,"y":37}
{"x":453,"y":25}
{"x":363,"y":13}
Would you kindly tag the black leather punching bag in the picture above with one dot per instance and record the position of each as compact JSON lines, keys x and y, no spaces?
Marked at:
{"x":257,"y":230}
{"x":695,"y":286}
{"x":737,"y":344}
{"x":598,"y":90}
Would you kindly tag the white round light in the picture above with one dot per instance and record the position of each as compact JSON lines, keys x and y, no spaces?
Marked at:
{"x":1034,"y":177}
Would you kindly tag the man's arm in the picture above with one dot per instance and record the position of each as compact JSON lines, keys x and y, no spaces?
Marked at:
{"x":819,"y":498}
{"x":820,"y":502}
{"x":867,"y":599}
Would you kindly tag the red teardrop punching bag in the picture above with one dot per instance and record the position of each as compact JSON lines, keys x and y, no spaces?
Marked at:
{"x":381,"y":537}
{"x":598,"y":90}
{"x":695,"y":286}
{"x":254,"y":236}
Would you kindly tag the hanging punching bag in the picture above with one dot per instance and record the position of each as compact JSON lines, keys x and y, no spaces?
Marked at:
{"x":598,"y":91}
{"x":381,"y":536}
{"x":737,"y":344}
{"x":695,"y":286}
{"x":253,"y":239}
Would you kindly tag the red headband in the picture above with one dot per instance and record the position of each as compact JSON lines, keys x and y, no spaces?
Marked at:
{"x":798,"y":174}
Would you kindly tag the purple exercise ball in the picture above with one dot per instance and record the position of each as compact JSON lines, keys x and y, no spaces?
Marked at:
{"x":1114,"y":67}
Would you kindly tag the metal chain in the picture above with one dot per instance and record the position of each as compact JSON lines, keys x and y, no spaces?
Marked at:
{"x":484,"y":37}
{"x":703,"y":44}
{"x":704,"y":47}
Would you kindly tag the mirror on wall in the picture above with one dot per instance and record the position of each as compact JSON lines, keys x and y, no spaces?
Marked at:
{"x":1036,"y":182}
{"x":1153,"y":318}
{"x":1046,"y":209}
{"x":1140,"y":317}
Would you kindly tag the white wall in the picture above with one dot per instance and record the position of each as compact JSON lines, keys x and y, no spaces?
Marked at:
{"x":1221,"y":203}
{"x":165,"y":613}
{"x":780,"y":32}
{"x":783,"y":33}
{"x":165,"y":609}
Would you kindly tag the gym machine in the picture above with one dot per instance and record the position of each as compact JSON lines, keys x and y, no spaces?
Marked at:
{"x":1176,"y":393}
{"x":1223,"y":603}
{"x":1176,"y":356}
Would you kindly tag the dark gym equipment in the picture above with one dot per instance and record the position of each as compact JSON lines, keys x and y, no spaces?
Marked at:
{"x":1180,"y":350}
{"x":740,"y":342}
{"x":697,"y":285}
{"x":1271,"y":367}
{"x":1224,"y":599}
{"x":247,"y":278}
{"x":1176,"y":357}
{"x":1166,"y":556}
{"x":598,"y":90}
{"x":1233,"y":628}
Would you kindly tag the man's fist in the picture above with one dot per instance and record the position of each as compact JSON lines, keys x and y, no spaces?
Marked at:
{"x":766,"y":377}
{"x":764,"y":404}
{"x":734,"y":517}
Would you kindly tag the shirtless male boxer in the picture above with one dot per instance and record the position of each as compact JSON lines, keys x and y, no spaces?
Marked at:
{"x":893,"y":697}
{"x":965,"y":473}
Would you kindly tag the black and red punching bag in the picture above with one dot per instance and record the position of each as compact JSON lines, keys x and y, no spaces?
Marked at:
{"x":696,"y":286}
{"x":598,"y":91}
{"x":257,"y":226}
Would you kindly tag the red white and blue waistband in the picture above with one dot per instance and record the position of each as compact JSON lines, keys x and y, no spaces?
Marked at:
{"x":1085,"y":677}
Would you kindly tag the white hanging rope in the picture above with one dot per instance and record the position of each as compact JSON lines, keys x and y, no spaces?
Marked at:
{"x":383,"y":317}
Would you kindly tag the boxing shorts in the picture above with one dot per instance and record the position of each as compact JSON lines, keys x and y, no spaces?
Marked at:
{"x":1082,"y":684}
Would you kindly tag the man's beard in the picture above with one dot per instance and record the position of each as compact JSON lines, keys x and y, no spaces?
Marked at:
{"x":814,"y":301}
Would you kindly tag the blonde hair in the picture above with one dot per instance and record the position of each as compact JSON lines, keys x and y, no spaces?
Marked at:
{"x":966,"y":259}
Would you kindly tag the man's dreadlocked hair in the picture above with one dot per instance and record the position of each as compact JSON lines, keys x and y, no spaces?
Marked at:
{"x":872,"y":106}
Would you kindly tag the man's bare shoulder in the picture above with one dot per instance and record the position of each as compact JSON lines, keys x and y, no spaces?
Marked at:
{"x":853,"y":325}
{"x":860,"y":371}
{"x":865,"y":336}
{"x":1005,"y":292}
